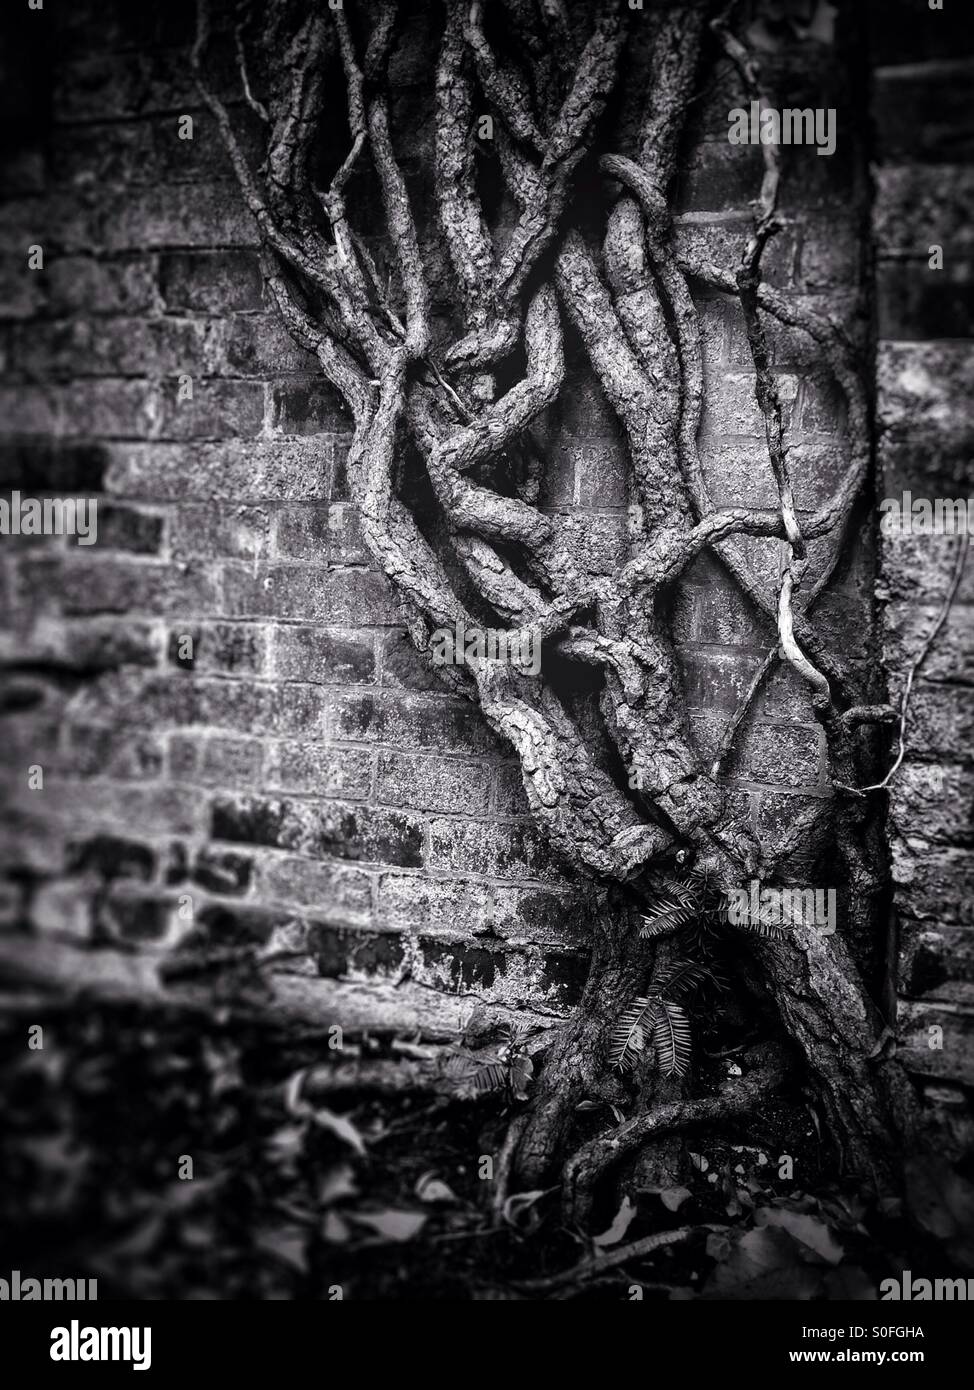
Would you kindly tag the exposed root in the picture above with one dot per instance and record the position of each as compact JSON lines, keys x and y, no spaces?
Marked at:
{"x":598,"y":1265}
{"x":588,"y":1164}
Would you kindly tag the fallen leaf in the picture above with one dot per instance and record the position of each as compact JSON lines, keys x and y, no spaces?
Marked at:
{"x":622,"y":1221}
{"x":393,"y":1225}
{"x":809,"y":1231}
{"x":430,"y":1188}
{"x":674,"y":1197}
{"x":335,"y":1185}
{"x":763,"y":1264}
{"x":342,"y":1128}
{"x":520,"y":1202}
{"x":335,"y":1229}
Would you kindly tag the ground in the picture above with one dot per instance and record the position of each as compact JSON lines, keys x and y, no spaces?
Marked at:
{"x":375,"y":1200}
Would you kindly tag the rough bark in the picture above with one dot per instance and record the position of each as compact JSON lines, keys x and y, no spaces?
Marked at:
{"x":630,"y":304}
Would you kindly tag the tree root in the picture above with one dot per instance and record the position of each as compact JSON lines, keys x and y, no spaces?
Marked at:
{"x":597,"y":1265}
{"x":588,"y":1164}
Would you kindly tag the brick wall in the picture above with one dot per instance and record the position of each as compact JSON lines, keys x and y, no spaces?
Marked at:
{"x":301,"y":777}
{"x":924,"y":64}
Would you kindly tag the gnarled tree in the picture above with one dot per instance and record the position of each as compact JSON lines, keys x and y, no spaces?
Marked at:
{"x":634,"y":808}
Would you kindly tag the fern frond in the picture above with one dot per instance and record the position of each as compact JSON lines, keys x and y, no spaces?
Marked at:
{"x":628,"y":1038}
{"x":766,"y":929}
{"x":682,"y":979}
{"x":672,"y":1038}
{"x":670,"y":909}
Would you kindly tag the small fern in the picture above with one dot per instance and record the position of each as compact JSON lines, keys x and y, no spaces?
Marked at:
{"x":671,"y":1036}
{"x":673,"y":907}
{"x":651,"y":1018}
{"x":628,"y":1040}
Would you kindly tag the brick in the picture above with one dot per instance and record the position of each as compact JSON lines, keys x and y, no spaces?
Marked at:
{"x":166,"y":217}
{"x":721,"y":240}
{"x":415,"y":902}
{"x":320,"y":534}
{"x":214,"y":761}
{"x":718,"y":176}
{"x":228,"y":648}
{"x":105,"y":752}
{"x":225,"y":470}
{"x":306,"y":407}
{"x":539,"y":916}
{"x":951,"y":658}
{"x":210,"y":282}
{"x":511,"y":798}
{"x":940,"y":722}
{"x":915,"y":302}
{"x":731,"y":407}
{"x":86,"y":285}
{"x":921,"y":385}
{"x":108,"y":585}
{"x":218,"y":410}
{"x":495,"y":851}
{"x":787,"y":756}
{"x":920,"y":206}
{"x":331,"y":830}
{"x":319,"y":770}
{"x":233,"y":532}
{"x":324,"y":657}
{"x":128,"y":529}
{"x":136,"y":810}
{"x":717,"y":680}
{"x":110,"y":856}
{"x":432,"y":784}
{"x":936,"y":802}
{"x":435,"y":722}
{"x":343,"y":598}
{"x":221,"y":871}
{"x":48,"y":465}
{"x":342,"y":955}
{"x":905,"y":31}
{"x":404,"y":668}
{"x":334,"y":890}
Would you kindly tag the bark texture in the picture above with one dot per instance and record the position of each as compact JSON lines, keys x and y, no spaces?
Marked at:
{"x":637,"y":807}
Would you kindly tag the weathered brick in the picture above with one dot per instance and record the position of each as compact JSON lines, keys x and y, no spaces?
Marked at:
{"x":494,"y":851}
{"x":324,"y":657}
{"x":225,"y":470}
{"x":129,"y":529}
{"x":221,"y":871}
{"x":432,"y":784}
{"x":435,"y":722}
{"x":210,"y":282}
{"x":110,"y":856}
{"x":91,"y":751}
{"x":218,"y":410}
{"x":235,"y":532}
{"x":79,"y":584}
{"x":214,"y":761}
{"x":306,"y":407}
{"x":349,"y":598}
{"x":230,"y":648}
{"x":419,"y":903}
{"x":319,"y":769}
{"x":334,"y":890}
{"x":86,"y":285}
